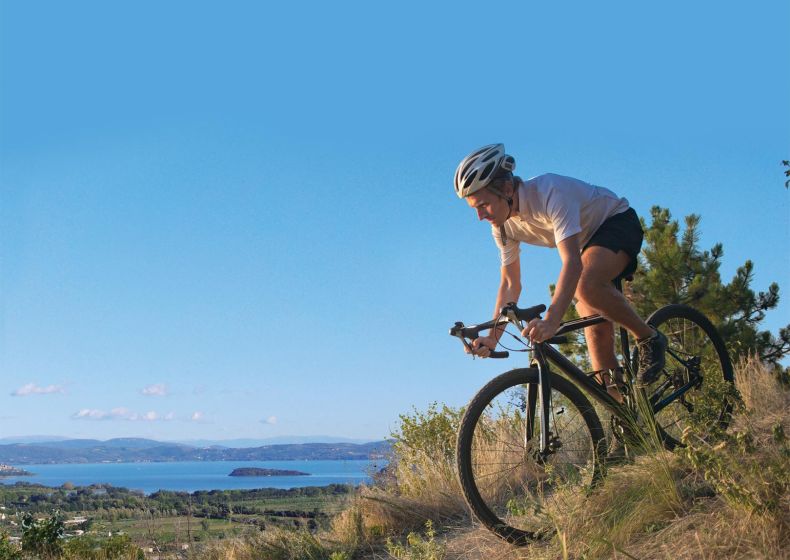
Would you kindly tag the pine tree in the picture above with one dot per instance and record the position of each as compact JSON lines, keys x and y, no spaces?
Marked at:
{"x":673,"y":269}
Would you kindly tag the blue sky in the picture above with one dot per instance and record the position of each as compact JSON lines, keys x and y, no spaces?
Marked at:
{"x":237,"y":219}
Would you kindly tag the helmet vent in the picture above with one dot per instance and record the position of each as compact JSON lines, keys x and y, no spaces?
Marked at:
{"x":471,"y":178}
{"x":467,"y":167}
{"x":487,"y":171}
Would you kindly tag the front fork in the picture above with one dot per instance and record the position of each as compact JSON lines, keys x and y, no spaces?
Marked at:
{"x":539,"y":401}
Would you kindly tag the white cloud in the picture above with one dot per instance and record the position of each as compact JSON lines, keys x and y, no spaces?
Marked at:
{"x":271,"y":420}
{"x":90,"y":414}
{"x":197,"y":416}
{"x":122,"y":413}
{"x":155,"y":390}
{"x":33,"y":389}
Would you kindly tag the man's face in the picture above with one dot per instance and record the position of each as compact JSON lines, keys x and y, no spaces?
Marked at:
{"x":489,"y":207}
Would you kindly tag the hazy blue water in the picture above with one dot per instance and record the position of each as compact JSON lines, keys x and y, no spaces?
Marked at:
{"x":197,"y":475}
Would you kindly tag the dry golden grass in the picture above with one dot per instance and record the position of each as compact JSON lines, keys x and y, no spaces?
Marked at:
{"x":660,"y":507}
{"x":378,"y":513}
{"x":272,"y":544}
{"x":765,"y":401}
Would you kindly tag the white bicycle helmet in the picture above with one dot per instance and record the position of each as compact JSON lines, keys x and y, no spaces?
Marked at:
{"x":478,"y":169}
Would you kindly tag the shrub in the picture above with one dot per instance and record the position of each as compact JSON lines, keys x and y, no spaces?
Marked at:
{"x":749,"y":467}
{"x":423,"y":458}
{"x":7,"y":550}
{"x":417,"y":547}
{"x":42,"y":537}
{"x":85,"y":547}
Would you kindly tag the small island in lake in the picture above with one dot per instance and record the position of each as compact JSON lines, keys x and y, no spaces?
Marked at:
{"x":254,"y":471}
{"x":8,"y":470}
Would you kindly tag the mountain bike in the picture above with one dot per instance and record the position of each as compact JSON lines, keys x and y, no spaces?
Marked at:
{"x":530,"y":439}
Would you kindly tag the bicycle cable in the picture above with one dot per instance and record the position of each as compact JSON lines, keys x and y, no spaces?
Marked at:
{"x":505,"y":331}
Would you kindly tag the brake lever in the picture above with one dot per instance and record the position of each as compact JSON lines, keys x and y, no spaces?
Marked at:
{"x":468,"y":347}
{"x":457,"y":331}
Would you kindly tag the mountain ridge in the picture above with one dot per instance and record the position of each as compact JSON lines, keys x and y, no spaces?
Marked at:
{"x":134,"y":450}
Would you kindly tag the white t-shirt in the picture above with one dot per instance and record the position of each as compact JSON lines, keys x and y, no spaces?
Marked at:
{"x":552,"y":208}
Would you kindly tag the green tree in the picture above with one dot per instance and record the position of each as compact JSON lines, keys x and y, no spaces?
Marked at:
{"x":673,"y":269}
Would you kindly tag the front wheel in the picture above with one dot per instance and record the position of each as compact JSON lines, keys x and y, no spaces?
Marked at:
{"x":509,"y":486}
{"x":696,"y":389}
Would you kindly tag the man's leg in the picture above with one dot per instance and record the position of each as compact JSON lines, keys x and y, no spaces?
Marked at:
{"x":599,"y":267}
{"x":600,"y":342}
{"x":600,"y":339}
{"x":595,"y":289}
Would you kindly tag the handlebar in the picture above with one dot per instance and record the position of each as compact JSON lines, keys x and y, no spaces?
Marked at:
{"x":511,"y":314}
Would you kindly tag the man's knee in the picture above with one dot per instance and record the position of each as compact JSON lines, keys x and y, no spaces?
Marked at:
{"x":591,"y":290}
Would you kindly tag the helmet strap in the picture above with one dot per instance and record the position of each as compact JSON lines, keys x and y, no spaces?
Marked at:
{"x":516,"y":184}
{"x":509,"y":200}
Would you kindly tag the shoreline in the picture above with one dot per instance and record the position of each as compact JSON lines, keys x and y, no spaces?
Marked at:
{"x":101,"y":487}
{"x":191,"y":476}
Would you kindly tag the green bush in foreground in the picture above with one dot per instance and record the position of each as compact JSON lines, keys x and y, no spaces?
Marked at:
{"x":418,"y":547}
{"x":423,"y":455}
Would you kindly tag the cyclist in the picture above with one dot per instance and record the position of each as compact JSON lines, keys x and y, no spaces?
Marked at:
{"x":598,"y":237}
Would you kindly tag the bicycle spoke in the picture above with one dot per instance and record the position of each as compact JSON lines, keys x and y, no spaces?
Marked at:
{"x":481,"y":476}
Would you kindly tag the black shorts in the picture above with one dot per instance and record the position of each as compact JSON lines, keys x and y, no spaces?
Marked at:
{"x":621,"y":232}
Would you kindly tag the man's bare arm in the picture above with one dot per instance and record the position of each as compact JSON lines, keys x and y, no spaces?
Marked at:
{"x":570,"y":253}
{"x":539,"y":330}
{"x":509,"y":290}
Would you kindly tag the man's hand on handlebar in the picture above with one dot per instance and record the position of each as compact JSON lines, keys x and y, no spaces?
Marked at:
{"x":540,"y":330}
{"x":483,"y":346}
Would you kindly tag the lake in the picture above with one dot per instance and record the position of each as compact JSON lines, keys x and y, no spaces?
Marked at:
{"x":189,"y":476}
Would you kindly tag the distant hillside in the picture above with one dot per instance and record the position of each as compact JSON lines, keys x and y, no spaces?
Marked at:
{"x":136,"y":450}
{"x":279,"y":440}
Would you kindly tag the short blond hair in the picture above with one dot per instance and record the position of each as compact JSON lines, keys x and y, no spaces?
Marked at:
{"x":501,"y":181}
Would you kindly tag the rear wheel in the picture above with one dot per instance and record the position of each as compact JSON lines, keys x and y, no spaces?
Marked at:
{"x":509,"y":486}
{"x":695,"y":389}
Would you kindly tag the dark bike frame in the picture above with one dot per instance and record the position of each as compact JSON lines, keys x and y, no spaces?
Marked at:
{"x":544,"y":352}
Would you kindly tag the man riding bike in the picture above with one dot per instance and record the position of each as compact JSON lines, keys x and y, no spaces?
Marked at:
{"x":598,"y":237}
